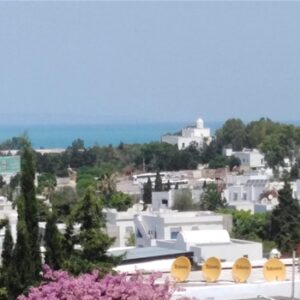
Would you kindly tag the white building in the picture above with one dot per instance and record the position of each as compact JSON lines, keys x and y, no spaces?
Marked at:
{"x":166,"y":225}
{"x":251,"y":158}
{"x":216,"y":242}
{"x":120,"y":225}
{"x":250,"y":191}
{"x":166,"y":199}
{"x":192,"y":134}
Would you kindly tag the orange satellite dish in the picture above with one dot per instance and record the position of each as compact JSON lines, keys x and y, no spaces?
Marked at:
{"x":274,"y":270}
{"x":241,"y":270}
{"x":211,"y":269}
{"x":181,"y":269}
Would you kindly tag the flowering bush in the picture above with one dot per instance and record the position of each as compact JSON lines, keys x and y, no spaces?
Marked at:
{"x":59,"y":285}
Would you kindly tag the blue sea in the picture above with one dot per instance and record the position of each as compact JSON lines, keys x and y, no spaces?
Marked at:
{"x":61,"y":136}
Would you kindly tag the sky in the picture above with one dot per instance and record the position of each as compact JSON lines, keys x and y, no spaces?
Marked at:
{"x":134,"y":62}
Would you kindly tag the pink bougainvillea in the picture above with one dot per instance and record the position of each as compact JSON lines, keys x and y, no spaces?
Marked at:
{"x":59,"y":285}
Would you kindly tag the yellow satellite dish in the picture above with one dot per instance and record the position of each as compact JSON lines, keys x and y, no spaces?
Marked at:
{"x":241,"y":270}
{"x":211,"y":269}
{"x":274,"y":270}
{"x":181,"y":268}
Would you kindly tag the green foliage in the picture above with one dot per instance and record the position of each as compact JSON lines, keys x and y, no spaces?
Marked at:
{"x":250,"y":226}
{"x":92,"y":239}
{"x":46,"y":183}
{"x":85,"y":181}
{"x":211,"y":199}
{"x":233,"y":133}
{"x":21,"y":273}
{"x":15,"y":181}
{"x":233,"y":162}
{"x":2,"y":182}
{"x":147,"y":192}
{"x":3,"y":294}
{"x":218,"y":162}
{"x":158,"y":187}
{"x":294,"y":174}
{"x":107,"y":185}
{"x":183,"y":200}
{"x":120,"y":201}
{"x":63,"y":201}
{"x":6,"y":255}
{"x":30,"y":208}
{"x":69,"y":239}
{"x":285,"y":221}
{"x":14,"y":143}
{"x":53,"y":244}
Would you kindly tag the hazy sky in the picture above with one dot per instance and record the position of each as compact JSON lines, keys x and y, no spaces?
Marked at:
{"x":149,"y":61}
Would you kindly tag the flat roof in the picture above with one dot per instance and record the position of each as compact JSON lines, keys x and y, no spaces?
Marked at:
{"x":144,"y":254}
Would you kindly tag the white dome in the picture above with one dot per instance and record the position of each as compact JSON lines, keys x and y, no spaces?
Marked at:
{"x":199,"y":123}
{"x":214,"y":236}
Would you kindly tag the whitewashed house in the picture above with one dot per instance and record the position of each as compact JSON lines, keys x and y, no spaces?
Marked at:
{"x":166,"y":225}
{"x":250,"y":158}
{"x":197,"y":134}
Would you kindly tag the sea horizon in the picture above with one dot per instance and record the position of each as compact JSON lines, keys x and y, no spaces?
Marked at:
{"x":58,"y":135}
{"x":102,"y":134}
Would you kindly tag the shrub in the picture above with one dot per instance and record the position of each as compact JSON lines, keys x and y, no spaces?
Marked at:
{"x":60,"y":285}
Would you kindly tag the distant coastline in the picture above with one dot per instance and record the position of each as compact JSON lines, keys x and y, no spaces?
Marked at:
{"x":61,"y":136}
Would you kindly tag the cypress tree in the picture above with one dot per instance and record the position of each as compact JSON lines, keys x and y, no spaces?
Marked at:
{"x":285,"y":220}
{"x":93,"y":240}
{"x":53,"y":244}
{"x":68,"y":240}
{"x":147,"y":193}
{"x":7,"y":251}
{"x":30,"y":208}
{"x":20,"y":270}
{"x":158,"y":187}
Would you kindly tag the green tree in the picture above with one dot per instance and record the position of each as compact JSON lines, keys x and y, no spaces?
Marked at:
{"x":93,"y":240}
{"x":233,"y":133}
{"x":31,"y":216}
{"x":63,"y":201}
{"x":2,"y":182}
{"x":46,"y":183}
{"x":120,"y":201}
{"x":147,"y":192}
{"x":285,"y":220}
{"x":158,"y":187}
{"x":294,"y":173}
{"x":6,"y":255}
{"x":107,"y":185}
{"x":21,"y":267}
{"x":211,"y":199}
{"x":53,"y":244}
{"x":233,"y":162}
{"x":183,"y":200}
{"x":69,"y":240}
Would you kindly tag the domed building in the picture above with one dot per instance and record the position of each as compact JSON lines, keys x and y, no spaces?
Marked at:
{"x":197,"y":134}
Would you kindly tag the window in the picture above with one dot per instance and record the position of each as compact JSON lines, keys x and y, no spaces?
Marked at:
{"x":174,"y":232}
{"x":174,"y":235}
{"x":245,"y":197}
{"x":164,"y":201}
{"x":235,"y":196}
{"x":182,"y":145}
